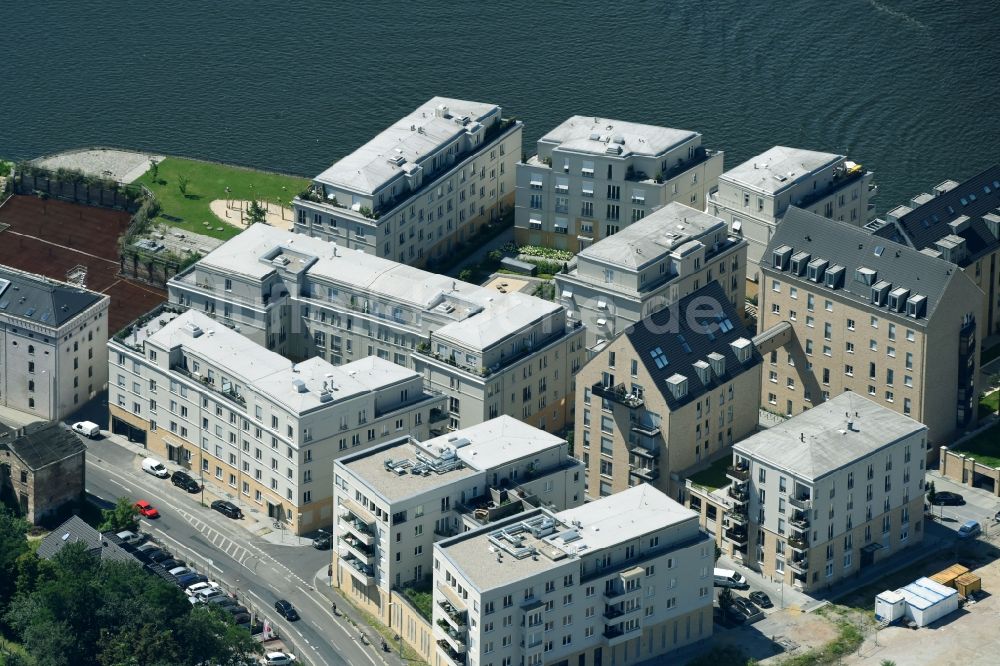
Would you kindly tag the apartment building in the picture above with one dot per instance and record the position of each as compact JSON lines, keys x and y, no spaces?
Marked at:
{"x":421,"y":186}
{"x":870,"y":316}
{"x":490,"y":353}
{"x":624,"y":579}
{"x":53,"y":337}
{"x":828,"y":493}
{"x":648,"y":266}
{"x":394,"y":501}
{"x":262,"y":429}
{"x":667,"y":396}
{"x":593,"y":177}
{"x":754,"y":196}
{"x":960,"y":223}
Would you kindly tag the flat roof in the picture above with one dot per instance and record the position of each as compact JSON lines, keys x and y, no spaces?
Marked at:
{"x":818,"y":441}
{"x":299,"y":387}
{"x":413,"y":137}
{"x":484,"y":446}
{"x":593,"y":135}
{"x":653,"y":237}
{"x":779,"y":168}
{"x":597,"y":525}
{"x":924,"y":593}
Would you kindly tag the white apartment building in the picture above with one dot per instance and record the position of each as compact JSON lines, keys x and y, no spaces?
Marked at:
{"x":753,"y":197}
{"x":592,"y":177}
{"x":53,"y":344}
{"x":394,"y":501}
{"x":263,"y":430}
{"x":648,"y":266}
{"x":625,"y":579}
{"x":490,"y":353}
{"x":827,"y":493}
{"x":427,"y":182}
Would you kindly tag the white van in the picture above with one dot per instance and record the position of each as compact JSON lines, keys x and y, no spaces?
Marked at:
{"x":154,"y":467}
{"x":730,"y":578}
{"x":87,"y":429}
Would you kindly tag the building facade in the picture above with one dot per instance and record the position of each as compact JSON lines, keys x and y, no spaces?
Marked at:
{"x":261,"y":428}
{"x":960,"y":223}
{"x":394,"y":501}
{"x":649,"y":265}
{"x":426,"y":183}
{"x":43,"y":465}
{"x":870,"y":316}
{"x":828,"y":493}
{"x":53,"y":337}
{"x":490,"y":353}
{"x":622,"y":580}
{"x":667,"y":396}
{"x":754,"y":196}
{"x":593,"y":177}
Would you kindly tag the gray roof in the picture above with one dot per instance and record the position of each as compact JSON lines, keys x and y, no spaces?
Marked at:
{"x":76,"y":530}
{"x":41,"y":300}
{"x":851,"y":247}
{"x":41,"y":444}
{"x":779,"y":168}
{"x":413,"y":137}
{"x":654,"y":236}
{"x":589,"y":134}
{"x":818,"y":441}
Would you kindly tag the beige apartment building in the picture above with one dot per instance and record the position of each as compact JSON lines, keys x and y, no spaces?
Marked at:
{"x":424,"y":184}
{"x":650,"y":264}
{"x":960,"y":223}
{"x":667,"y":396}
{"x":593,"y":177}
{"x":257,"y":427}
{"x":871,"y":316}
{"x":828,"y":493}
{"x":621,"y":580}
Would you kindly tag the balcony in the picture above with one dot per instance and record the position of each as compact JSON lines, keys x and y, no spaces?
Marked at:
{"x":361,"y":552}
{"x":358,"y":530}
{"x":800,"y":565}
{"x":801,"y":502}
{"x":738,"y":496}
{"x":455,"y":617}
{"x":452,"y":596}
{"x":450,"y":655}
{"x":618,"y":610}
{"x":738,"y":517}
{"x":798,"y":543}
{"x":800,"y":521}
{"x":646,"y":429}
{"x":737,"y":536}
{"x":643,"y":452}
{"x":453,"y":638}
{"x":645,"y":473}
{"x":738,"y":473}
{"x":617,"y":394}
{"x":360,"y":571}
{"x":360,"y":513}
{"x":616,"y":634}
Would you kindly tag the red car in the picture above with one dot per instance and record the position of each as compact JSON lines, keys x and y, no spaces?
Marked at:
{"x":146,"y":509}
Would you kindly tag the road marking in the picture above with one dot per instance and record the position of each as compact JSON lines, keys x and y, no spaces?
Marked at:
{"x":127,"y":489}
{"x":189,"y":548}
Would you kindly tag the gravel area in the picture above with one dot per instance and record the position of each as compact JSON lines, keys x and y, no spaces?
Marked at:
{"x":121,"y":165}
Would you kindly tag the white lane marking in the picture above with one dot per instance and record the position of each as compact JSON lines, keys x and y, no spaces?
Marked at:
{"x":121,"y":485}
{"x":205,"y":558}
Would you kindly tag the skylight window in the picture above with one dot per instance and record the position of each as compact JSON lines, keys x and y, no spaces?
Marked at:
{"x":725,"y":325}
{"x":879,"y":249}
{"x":986,"y":189}
{"x":926,"y":223}
{"x":684,"y":345}
{"x":965,"y":202}
{"x":972,"y":197}
{"x":659,"y":358}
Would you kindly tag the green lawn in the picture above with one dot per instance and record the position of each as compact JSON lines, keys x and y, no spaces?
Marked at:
{"x":715,"y":476}
{"x":208,"y":181}
{"x":984,"y":447}
{"x":989,"y":404}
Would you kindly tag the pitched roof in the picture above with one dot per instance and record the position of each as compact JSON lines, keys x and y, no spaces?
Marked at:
{"x":841,"y":244}
{"x":41,"y":444}
{"x":76,"y":530}
{"x":929,"y":222}
{"x":818,"y":441}
{"x":40,"y":299}
{"x":701,"y":323}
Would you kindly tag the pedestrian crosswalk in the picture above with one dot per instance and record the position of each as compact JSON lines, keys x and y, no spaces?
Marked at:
{"x":223,"y":543}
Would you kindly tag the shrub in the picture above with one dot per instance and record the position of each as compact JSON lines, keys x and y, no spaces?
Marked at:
{"x":545,"y":253}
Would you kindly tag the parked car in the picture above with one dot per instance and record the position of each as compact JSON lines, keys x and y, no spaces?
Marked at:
{"x":150,"y":552}
{"x":223,"y":601}
{"x":745,"y":605}
{"x":945,"y":498}
{"x":730,"y":578}
{"x":185,"y":481}
{"x":129,"y":537}
{"x":198,"y":587}
{"x":185,"y":581}
{"x":227,"y":509}
{"x":286,"y":610}
{"x":970,"y":530}
{"x":87,"y":429}
{"x":323,"y":542}
{"x":146,"y":509}
{"x":204,"y":596}
{"x":242,"y":619}
{"x":277,"y":659}
{"x":178,"y":571}
{"x":154,"y":467}
{"x":761,"y":599}
{"x":172,"y":564}
{"x":237,"y":609}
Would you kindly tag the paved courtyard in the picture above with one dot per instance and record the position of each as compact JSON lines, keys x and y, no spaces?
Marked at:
{"x":122,"y":165}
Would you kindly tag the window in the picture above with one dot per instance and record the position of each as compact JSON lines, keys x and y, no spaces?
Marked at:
{"x":659,"y":358}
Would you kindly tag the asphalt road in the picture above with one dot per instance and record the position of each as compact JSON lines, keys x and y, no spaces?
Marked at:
{"x":258,"y":571}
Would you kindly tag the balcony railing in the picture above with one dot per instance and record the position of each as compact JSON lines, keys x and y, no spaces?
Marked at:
{"x":362,"y":552}
{"x":647,"y":430}
{"x":738,"y":496}
{"x":802,"y":502}
{"x":453,"y":656}
{"x":617,"y":394}
{"x":643,"y":452}
{"x":739,"y":473}
{"x":453,"y":637}
{"x":456,"y":617}
{"x":800,"y":521}
{"x":647,"y":473}
{"x":798,"y":543}
{"x":738,"y":517}
{"x":801,"y":564}
{"x":736,"y":536}
{"x":362,"y":572}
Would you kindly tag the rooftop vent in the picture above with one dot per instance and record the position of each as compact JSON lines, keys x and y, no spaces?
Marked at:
{"x":300,"y":386}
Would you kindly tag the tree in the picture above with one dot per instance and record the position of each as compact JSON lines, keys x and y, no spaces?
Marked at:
{"x":154,"y":169}
{"x":718,"y":552}
{"x":256,"y":213}
{"x":931,"y":493}
{"x":465,"y":275}
{"x":887,"y":662}
{"x":13,"y":544}
{"x":182,"y":184}
{"x":725,"y":597}
{"x":123,"y":517}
